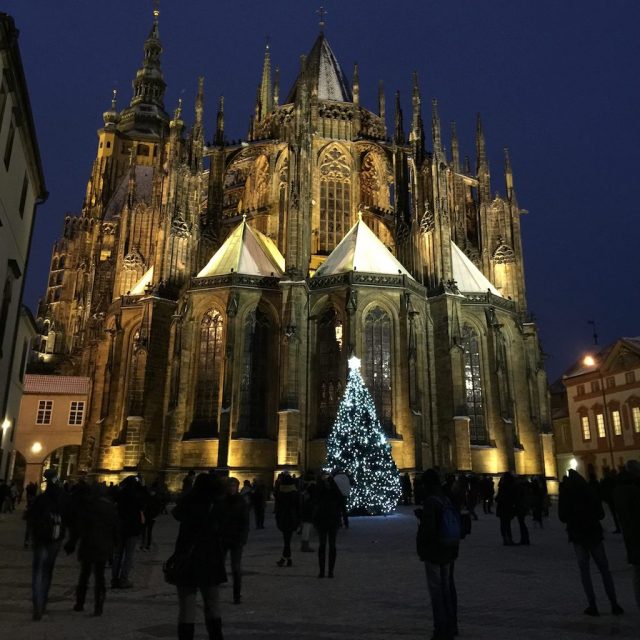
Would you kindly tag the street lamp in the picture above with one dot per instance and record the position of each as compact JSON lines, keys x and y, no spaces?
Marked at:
{"x":590,"y":361}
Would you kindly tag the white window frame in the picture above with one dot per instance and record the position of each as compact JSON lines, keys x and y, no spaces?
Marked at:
{"x":76,"y":414}
{"x":45,"y":412}
{"x":602,"y":432}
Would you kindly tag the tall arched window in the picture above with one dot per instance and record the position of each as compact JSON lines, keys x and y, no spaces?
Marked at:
{"x":137,"y":368}
{"x":208,"y":378}
{"x":335,"y":199}
{"x":473,"y":386}
{"x":329,"y":368}
{"x":377,"y":363}
{"x":255,"y":377}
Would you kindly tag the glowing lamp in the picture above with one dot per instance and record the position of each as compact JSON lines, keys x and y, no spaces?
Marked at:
{"x":589,"y":361}
{"x":36,"y":447}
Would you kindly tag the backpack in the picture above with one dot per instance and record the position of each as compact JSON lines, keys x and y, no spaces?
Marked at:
{"x":449,"y":529}
{"x":48,"y":525}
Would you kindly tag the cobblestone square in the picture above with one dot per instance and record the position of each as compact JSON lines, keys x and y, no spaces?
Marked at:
{"x":379,"y":591}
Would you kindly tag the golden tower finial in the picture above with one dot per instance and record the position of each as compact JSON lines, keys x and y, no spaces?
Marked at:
{"x":156,"y":10}
{"x":113,"y":99}
{"x":322,"y":12}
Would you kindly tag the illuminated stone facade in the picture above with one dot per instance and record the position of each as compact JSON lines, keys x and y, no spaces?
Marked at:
{"x":202,"y":291}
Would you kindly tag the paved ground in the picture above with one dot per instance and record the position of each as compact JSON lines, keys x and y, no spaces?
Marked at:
{"x":379,"y":592}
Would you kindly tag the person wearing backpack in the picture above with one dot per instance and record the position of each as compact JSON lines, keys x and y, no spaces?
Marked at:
{"x":47,"y":519}
{"x":438,"y":541}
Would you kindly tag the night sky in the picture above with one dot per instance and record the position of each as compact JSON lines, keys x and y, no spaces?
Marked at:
{"x":556,"y":81}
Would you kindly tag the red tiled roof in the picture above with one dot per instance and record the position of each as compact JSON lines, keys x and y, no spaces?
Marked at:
{"x":74,"y":385}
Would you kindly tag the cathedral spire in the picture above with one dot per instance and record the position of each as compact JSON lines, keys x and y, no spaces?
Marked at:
{"x":220,"y":122}
{"x":149,"y":84}
{"x":482,"y":164}
{"x":356,"y":84}
{"x":455,"y":148}
{"x":399,"y":122}
{"x":416,"y":137}
{"x":508,"y":174}
{"x":111,"y":116}
{"x":435,"y":127}
{"x":276,"y":87}
{"x":381,"y":105}
{"x":265,"y":98}
{"x":199,"y":104}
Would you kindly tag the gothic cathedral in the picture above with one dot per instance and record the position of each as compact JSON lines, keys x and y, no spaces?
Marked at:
{"x":214,"y":291}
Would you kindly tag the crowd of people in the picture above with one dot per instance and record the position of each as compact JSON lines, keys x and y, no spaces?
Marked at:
{"x":107,"y":524}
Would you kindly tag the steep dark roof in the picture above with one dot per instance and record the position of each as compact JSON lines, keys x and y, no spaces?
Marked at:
{"x":323,"y":70}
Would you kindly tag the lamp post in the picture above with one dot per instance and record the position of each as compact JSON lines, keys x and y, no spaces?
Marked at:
{"x":590,"y":361}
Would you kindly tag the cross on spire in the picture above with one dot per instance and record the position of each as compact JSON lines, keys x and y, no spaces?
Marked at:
{"x":322,"y":12}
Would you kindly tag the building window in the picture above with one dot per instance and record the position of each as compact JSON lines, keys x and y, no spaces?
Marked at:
{"x":630,"y":377}
{"x":473,"y":386}
{"x":600,"y":424}
{"x":595,"y":386}
{"x":377,"y":364}
{"x":137,"y":370}
{"x":329,"y":380}
{"x":635,"y":414}
{"x":257,"y":376}
{"x":76,"y":413}
{"x":617,"y":423}
{"x":23,"y":194}
{"x":586,"y":427}
{"x":7,"y":294}
{"x":7,"y":150}
{"x":45,"y":407}
{"x":335,"y":199}
{"x":210,"y":356}
{"x":580,"y":390}
{"x":611,"y":382}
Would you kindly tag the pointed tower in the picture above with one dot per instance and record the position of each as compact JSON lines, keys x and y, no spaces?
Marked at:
{"x":265,"y":95}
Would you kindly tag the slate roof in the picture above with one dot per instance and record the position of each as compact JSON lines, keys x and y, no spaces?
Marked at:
{"x":323,"y":69}
{"x":245,"y":251}
{"x":69,"y":385}
{"x":361,"y":250}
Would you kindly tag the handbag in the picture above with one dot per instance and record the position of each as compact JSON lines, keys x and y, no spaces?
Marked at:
{"x":177,"y":569}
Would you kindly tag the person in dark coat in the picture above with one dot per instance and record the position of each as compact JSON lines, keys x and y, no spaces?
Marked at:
{"x":488,"y":492}
{"x":130,"y":503}
{"x":626,"y":497}
{"x":607,"y":487}
{"x":287,"y":509}
{"x":31,"y":492}
{"x":326,"y":519}
{"x":96,"y":527}
{"x":506,"y":506}
{"x":522,"y":503}
{"x":308,"y":506}
{"x":48,"y":519}
{"x":439,"y":555}
{"x":407,"y":491}
{"x":235,"y":533}
{"x":581,"y":510}
{"x":201,"y":514}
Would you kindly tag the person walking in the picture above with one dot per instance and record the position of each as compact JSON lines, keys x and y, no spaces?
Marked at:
{"x":130,"y":505}
{"x":437,"y":544}
{"x":581,"y":510}
{"x":522,"y":502}
{"x":626,"y":497}
{"x":95,"y":526}
{"x":48,"y":517}
{"x":31,"y":492}
{"x":488,"y":493}
{"x":152,"y":508}
{"x":201,"y":514}
{"x":506,"y":506}
{"x":287,"y":509}
{"x":326,"y":518}
{"x":235,"y":533}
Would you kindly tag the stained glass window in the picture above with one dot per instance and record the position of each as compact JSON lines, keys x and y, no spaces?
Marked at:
{"x":377,"y":363}
{"x":473,"y":386}
{"x":335,"y":199}
{"x":255,"y":377}
{"x":208,"y":380}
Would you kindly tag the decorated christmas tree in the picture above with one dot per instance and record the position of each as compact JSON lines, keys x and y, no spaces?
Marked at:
{"x":358,"y":447}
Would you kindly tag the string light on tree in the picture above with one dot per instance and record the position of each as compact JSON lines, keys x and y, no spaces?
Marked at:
{"x":358,"y":446}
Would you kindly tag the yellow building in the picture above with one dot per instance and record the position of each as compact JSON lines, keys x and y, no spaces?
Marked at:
{"x":215,"y":292}
{"x":52,"y":416}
